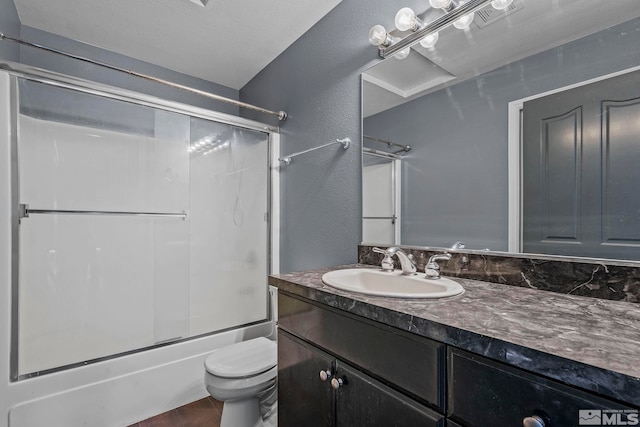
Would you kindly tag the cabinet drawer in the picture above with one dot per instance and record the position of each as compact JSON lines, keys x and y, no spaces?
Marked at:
{"x":483,"y":392}
{"x":414,"y":365}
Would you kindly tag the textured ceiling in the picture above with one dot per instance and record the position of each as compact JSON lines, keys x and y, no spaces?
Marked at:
{"x":227,"y":41}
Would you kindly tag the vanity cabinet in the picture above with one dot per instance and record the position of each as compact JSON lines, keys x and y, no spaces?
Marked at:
{"x":337,"y":370}
{"x":385,"y":376}
{"x":347,"y":397}
{"x":483,"y":392}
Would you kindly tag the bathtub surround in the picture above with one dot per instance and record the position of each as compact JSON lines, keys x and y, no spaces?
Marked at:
{"x":130,"y":388}
{"x":609,"y":280}
{"x":135,"y":386}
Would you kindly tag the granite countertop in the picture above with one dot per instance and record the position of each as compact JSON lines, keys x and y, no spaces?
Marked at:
{"x":585,"y":342}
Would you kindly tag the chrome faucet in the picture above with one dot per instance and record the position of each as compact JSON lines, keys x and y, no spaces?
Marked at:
{"x":458,"y":245}
{"x":406,"y":261}
{"x":432,"y":269}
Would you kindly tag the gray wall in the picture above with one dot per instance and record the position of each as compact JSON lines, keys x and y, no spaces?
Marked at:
{"x":455,"y":178}
{"x":317,"y":80}
{"x":72,"y":67}
{"x":9,"y":51}
{"x":10,"y":26}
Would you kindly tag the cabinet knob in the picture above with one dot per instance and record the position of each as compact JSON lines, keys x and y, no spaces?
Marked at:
{"x":325,"y":375}
{"x":533,"y":421}
{"x":336,"y":383}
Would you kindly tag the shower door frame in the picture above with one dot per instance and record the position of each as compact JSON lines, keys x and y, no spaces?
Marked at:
{"x":396,"y":189}
{"x":17,"y":71}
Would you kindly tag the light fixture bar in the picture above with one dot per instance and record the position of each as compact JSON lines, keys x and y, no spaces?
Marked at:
{"x":444,"y":21}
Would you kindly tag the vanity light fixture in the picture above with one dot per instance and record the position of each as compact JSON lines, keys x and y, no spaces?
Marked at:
{"x":459,"y":13}
{"x":464,"y":22}
{"x":445,"y":5}
{"x":406,"y":19}
{"x":501,"y":4}
{"x":403,"y":53}
{"x":430,"y":41}
{"x":200,"y":2}
{"x":378,"y":36}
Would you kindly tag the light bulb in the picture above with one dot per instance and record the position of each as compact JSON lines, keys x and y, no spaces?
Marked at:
{"x":406,"y":19}
{"x":430,"y":40}
{"x":377,"y":35}
{"x":501,"y":4}
{"x":440,"y":4}
{"x":403,"y":53}
{"x":464,"y":22}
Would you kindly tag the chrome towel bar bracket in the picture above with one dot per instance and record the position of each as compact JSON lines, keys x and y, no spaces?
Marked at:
{"x":345,"y":142}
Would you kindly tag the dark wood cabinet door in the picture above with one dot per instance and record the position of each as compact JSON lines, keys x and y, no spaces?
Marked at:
{"x":303,"y":399}
{"x":580,"y":174}
{"x":485,"y":393}
{"x":358,"y":342}
{"x":363,"y":401}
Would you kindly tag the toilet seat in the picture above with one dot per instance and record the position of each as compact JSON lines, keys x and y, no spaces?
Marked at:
{"x":243,"y":359}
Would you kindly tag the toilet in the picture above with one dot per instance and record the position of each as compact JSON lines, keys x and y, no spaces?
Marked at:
{"x":240,"y":375}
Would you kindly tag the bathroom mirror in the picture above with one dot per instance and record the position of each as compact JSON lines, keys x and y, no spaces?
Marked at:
{"x":451,"y":104}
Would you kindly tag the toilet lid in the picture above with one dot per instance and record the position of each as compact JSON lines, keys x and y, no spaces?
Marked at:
{"x":243,"y":359}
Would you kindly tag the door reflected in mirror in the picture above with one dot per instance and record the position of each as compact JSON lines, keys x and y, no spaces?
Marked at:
{"x":455,"y":180}
{"x":381,"y":186}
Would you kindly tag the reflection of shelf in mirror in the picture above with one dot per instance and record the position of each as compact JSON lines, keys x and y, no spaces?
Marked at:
{"x":392,"y":218}
{"x":378,"y":153}
{"x":403,"y":148}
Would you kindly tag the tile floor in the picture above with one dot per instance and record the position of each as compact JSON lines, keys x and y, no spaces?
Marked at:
{"x":201,"y":413}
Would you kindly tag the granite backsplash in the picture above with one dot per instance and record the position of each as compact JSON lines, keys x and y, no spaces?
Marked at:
{"x":593,"y":279}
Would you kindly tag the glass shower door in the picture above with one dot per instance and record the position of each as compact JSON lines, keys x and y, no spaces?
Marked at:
{"x":139,"y":226}
{"x":229,"y":226}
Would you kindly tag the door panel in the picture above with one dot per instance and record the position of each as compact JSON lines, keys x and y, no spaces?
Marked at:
{"x":561,"y":181}
{"x":303,"y":399}
{"x":581,"y":148}
{"x":621,"y":139}
{"x":363,"y":401}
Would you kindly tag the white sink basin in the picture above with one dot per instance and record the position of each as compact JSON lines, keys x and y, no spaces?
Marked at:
{"x":391,"y":284}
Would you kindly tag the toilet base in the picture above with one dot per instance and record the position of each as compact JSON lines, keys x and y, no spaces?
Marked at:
{"x":241,"y":413}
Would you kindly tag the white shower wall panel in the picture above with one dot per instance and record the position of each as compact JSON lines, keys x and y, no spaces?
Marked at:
{"x":64,"y":166}
{"x":91,"y":286}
